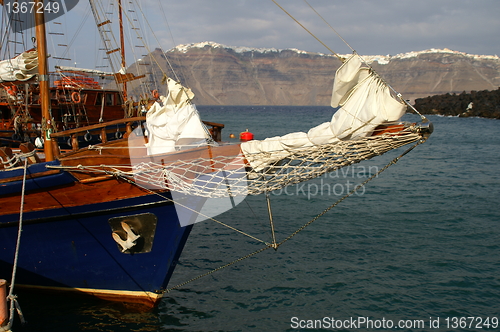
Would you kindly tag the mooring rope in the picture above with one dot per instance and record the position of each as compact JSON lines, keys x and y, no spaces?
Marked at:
{"x":14,"y":304}
{"x":16,"y":158}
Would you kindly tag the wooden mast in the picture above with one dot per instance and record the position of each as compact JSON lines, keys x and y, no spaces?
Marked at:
{"x":43,"y":79}
{"x":122,"y":44}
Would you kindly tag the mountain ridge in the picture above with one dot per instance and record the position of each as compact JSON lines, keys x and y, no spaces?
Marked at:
{"x":368,"y":58}
{"x":231,"y":75}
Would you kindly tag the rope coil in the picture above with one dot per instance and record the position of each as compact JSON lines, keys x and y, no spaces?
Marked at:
{"x":16,"y":159}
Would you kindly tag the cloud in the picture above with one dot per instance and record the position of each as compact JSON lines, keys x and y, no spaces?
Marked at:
{"x":371,"y":27}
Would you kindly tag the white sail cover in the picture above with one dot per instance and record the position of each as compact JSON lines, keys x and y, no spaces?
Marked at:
{"x":365,"y":102}
{"x":21,"y":68}
{"x":171,"y":127}
{"x":176,"y":123}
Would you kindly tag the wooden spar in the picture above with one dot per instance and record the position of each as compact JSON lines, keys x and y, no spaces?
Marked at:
{"x":43,"y":79}
{"x":4,"y":311}
{"x":122,"y":44}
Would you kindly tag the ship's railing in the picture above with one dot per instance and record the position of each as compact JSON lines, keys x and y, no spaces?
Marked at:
{"x":103,"y":129}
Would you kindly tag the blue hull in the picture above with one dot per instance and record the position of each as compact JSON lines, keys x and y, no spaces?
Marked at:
{"x":72,"y":248}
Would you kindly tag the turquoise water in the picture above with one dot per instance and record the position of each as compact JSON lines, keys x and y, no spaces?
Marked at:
{"x":421,"y":242}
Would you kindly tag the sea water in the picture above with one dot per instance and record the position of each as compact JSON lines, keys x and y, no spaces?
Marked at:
{"x":416,"y":249}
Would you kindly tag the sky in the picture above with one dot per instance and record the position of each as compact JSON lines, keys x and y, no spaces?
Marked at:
{"x":371,"y":27}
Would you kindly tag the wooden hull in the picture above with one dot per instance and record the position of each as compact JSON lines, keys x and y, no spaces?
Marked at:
{"x":67,"y":241}
{"x":72,"y":207}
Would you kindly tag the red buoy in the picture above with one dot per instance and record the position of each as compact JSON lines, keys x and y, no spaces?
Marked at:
{"x":246,"y":136}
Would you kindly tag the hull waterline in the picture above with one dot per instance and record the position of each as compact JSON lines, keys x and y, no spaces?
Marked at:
{"x":70,"y":247}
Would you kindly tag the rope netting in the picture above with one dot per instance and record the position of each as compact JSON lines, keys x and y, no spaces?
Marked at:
{"x":231,"y":175}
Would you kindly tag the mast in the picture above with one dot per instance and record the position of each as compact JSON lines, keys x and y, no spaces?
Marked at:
{"x":122,"y":44}
{"x":43,"y":79}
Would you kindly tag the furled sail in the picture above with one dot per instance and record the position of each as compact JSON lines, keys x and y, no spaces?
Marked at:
{"x":83,"y":71}
{"x":21,"y":68}
{"x":365,"y":102}
{"x":176,"y":124}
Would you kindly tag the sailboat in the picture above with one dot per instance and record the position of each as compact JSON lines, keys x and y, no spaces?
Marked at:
{"x":111,"y":219}
{"x":76,"y":99}
{"x":84,"y":232}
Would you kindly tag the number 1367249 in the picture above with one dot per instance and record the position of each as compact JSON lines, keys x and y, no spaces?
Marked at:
{"x":31,"y":7}
{"x":472,"y":322}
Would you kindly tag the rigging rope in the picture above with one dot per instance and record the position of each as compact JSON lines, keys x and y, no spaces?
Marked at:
{"x":297,"y":165}
{"x":352,"y":49}
{"x":277,"y":245}
{"x":338,"y":35}
{"x":312,"y":34}
{"x":359,"y":186}
{"x":154,"y":59}
{"x":120,"y":175}
{"x":109,"y":39}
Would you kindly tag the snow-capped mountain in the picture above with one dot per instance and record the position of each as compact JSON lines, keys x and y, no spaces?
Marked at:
{"x":235,"y":75}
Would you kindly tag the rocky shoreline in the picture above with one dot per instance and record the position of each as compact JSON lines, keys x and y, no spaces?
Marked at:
{"x":485,"y":104}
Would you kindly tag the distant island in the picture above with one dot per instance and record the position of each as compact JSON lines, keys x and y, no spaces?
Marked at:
{"x":485,"y":104}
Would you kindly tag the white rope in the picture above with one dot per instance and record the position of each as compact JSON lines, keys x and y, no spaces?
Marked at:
{"x":307,"y":30}
{"x":338,"y":35}
{"x":352,"y":49}
{"x":11,"y":297}
{"x":16,"y":158}
{"x":204,"y":177}
{"x":193,"y":210}
{"x":209,"y":177}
